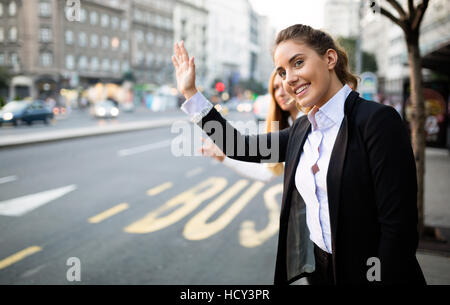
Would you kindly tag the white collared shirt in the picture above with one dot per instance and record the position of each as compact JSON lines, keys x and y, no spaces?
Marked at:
{"x":325,"y":124}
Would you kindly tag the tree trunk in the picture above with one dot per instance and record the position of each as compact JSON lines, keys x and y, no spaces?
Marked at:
{"x":417,"y":120}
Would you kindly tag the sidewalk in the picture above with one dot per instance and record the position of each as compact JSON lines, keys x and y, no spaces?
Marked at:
{"x":434,"y":257}
{"x":77,"y":132}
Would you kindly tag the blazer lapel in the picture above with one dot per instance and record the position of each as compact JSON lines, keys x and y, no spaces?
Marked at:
{"x":294,"y":153}
{"x":336,"y":166}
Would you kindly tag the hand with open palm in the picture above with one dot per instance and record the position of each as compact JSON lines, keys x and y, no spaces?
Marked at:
{"x":184,"y":70}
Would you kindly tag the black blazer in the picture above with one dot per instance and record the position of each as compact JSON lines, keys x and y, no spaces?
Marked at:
{"x":372,"y":191}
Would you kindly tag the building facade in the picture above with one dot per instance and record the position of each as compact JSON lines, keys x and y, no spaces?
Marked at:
{"x":49,"y":46}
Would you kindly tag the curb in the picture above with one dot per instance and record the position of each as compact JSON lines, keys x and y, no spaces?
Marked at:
{"x":82,"y":132}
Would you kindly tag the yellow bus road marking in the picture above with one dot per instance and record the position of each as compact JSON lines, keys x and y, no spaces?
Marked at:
{"x":159,"y":189}
{"x":184,"y":203}
{"x":198,"y":228}
{"x":108,"y":213}
{"x":19,"y":256}
{"x":249,"y":237}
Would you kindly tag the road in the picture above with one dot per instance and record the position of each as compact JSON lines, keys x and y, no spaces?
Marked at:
{"x":131,"y":212}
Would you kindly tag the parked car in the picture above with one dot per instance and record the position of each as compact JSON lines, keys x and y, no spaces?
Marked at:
{"x":261,"y":107}
{"x":105,"y":109}
{"x":16,"y":112}
{"x":245,"y":106}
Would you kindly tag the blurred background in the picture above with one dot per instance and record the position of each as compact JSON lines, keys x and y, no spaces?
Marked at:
{"x":88,"y":98}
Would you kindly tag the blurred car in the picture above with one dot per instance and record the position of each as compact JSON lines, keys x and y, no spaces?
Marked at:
{"x":16,"y":112}
{"x":59,"y":110}
{"x":105,"y":109}
{"x":244,"y":106}
{"x":261,"y":107}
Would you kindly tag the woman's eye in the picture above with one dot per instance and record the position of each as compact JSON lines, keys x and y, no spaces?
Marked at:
{"x":298,"y":63}
{"x":282,"y":73}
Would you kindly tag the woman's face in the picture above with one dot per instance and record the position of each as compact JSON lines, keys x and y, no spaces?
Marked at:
{"x":281,"y":97}
{"x":305,"y":74}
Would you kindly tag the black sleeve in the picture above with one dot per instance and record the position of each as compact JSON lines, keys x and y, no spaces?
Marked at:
{"x":393,"y":171}
{"x":268,"y":147}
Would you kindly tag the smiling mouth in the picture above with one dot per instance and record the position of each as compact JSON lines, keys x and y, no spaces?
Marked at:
{"x":301,"y":89}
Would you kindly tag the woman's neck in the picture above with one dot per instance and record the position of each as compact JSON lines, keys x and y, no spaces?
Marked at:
{"x":334,"y":88}
{"x":294,"y":113}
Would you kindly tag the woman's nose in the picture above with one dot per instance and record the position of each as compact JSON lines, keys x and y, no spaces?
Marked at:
{"x":291,"y":78}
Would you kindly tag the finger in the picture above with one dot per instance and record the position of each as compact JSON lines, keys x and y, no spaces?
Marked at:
{"x":175,"y":62}
{"x":176,"y":48}
{"x":191,"y":62}
{"x":184,"y":53}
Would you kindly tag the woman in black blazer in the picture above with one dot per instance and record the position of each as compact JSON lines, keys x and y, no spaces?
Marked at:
{"x":349,"y":166}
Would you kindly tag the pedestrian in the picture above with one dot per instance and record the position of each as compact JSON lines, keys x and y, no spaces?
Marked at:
{"x":349,"y":161}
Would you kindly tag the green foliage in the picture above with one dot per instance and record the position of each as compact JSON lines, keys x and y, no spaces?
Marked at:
{"x":369,"y":62}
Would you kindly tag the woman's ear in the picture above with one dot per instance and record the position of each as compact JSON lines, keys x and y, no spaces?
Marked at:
{"x":331,"y":57}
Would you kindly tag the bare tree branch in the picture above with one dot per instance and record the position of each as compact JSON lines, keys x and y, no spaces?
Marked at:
{"x":420,"y":12}
{"x":411,"y":9}
{"x":397,"y":21}
{"x":398,"y":8}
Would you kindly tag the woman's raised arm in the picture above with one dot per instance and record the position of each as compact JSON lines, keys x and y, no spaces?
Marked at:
{"x":269,"y":147}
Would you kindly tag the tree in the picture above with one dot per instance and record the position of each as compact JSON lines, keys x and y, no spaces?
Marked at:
{"x":5,"y":78}
{"x":409,"y":21}
{"x":369,"y":62}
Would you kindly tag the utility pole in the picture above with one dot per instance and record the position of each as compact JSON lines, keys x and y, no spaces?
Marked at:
{"x":359,"y":39}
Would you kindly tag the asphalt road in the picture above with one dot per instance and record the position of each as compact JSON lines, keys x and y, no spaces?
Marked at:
{"x":131,"y":212}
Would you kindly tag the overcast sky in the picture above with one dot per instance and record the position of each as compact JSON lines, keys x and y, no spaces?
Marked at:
{"x":284,"y":13}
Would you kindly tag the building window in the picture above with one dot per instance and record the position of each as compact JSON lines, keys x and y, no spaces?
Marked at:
{"x":46,"y":59}
{"x":125,"y":66}
{"x":149,"y":38}
{"x":150,"y":58}
{"x":2,"y":35}
{"x":83,"y":15}
{"x":45,"y":8}
{"x":94,"y":64}
{"x":94,"y":41}
{"x":69,"y":37}
{"x":105,"y":64}
{"x":82,"y":37}
{"x":139,"y":36}
{"x":116,"y":66}
{"x":82,"y":62}
{"x":1,"y":9}
{"x":105,"y":42}
{"x":94,"y":18}
{"x":14,"y":59}
{"x":125,"y":46}
{"x":124,"y":25}
{"x":2,"y":59}
{"x":115,"y":23}
{"x":70,"y":62}
{"x":45,"y":35}
{"x":12,"y":8}
{"x":105,"y":20}
{"x":12,"y":34}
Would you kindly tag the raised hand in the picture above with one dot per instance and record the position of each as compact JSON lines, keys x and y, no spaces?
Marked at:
{"x":184,"y":70}
{"x":209,"y":149}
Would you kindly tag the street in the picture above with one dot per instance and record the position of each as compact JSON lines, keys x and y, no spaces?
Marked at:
{"x":94,"y":202}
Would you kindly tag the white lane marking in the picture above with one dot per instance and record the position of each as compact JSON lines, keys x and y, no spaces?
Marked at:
{"x":144,"y":148}
{"x":194,"y":172}
{"x":22,"y":205}
{"x":8,"y":179}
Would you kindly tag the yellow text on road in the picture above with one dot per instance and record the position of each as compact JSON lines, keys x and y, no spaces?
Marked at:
{"x":248,"y":236}
{"x":197,"y":228}
{"x":186,"y":203}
